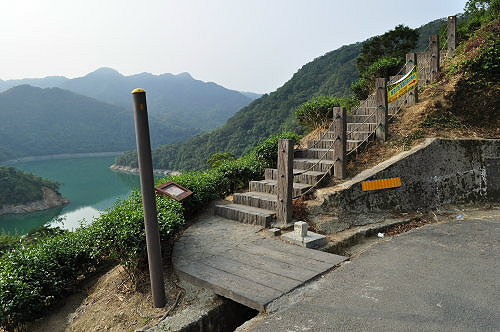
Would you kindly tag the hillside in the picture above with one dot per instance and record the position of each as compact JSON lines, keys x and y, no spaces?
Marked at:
{"x":176,"y":100}
{"x":330,"y":74}
{"x":19,"y":187}
{"x":37,"y":121}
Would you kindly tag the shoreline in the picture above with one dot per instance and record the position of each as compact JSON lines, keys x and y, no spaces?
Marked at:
{"x":50,"y":200}
{"x":62,"y":156}
{"x":127,"y":169}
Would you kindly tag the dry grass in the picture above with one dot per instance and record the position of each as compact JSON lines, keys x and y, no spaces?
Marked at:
{"x":107,"y":303}
{"x":413,"y":124}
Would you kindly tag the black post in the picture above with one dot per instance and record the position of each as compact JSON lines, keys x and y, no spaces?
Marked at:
{"x":148,"y":197}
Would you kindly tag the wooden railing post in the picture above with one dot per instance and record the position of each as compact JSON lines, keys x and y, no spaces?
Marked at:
{"x":434,"y":49}
{"x":452,"y":32}
{"x":382,"y":105}
{"x":411,"y":60}
{"x":285,"y":181}
{"x":340,"y":145}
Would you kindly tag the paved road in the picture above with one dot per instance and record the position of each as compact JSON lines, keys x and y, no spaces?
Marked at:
{"x":441,"y":277}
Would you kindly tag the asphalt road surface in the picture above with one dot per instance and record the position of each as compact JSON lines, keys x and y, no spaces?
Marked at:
{"x":440,"y":277}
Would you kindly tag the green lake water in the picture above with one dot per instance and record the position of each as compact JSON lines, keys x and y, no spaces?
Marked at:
{"x":88,"y":183}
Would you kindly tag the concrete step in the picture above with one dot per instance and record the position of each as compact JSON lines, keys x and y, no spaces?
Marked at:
{"x":256,"y":199}
{"x":316,"y":164}
{"x":269,"y":186}
{"x":358,"y":135}
{"x":309,"y":177}
{"x":314,"y":153}
{"x":320,"y":144}
{"x":369,"y":126}
{"x":327,"y":144}
{"x":360,"y":118}
{"x":245,"y":214}
{"x":364,"y":110}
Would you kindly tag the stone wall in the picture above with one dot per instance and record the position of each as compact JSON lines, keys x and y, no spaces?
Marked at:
{"x":437,"y":172}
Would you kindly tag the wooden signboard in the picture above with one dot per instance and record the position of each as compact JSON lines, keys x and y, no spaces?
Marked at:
{"x":174,"y":190}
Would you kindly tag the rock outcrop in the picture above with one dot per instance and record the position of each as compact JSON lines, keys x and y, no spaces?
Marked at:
{"x":50,"y":199}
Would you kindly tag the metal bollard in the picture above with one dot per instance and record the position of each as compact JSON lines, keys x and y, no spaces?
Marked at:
{"x":148,"y":198}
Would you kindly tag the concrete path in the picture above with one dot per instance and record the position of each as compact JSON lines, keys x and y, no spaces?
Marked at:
{"x":441,"y":277}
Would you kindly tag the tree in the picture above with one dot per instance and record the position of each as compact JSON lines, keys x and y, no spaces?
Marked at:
{"x":394,"y":43}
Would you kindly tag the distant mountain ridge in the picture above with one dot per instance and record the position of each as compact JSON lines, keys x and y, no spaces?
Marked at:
{"x":36,"y":122}
{"x":176,"y":100}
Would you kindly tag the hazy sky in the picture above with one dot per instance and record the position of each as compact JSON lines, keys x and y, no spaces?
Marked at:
{"x":249,"y":45}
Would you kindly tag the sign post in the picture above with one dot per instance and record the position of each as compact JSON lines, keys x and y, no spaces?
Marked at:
{"x":148,"y":197}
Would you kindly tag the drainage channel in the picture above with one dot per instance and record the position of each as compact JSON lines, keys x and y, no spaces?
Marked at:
{"x":204,"y":311}
{"x":223,"y":318}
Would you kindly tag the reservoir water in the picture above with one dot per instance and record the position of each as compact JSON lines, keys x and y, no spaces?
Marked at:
{"x":87,"y":182}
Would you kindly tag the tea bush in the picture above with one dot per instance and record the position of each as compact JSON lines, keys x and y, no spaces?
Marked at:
{"x":34,"y":274}
{"x":267,"y":151}
{"x":319,"y":110}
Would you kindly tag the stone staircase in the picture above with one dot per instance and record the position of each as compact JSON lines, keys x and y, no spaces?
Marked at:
{"x":258,"y":205}
{"x":311,"y":164}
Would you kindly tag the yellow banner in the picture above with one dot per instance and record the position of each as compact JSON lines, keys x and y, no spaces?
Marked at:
{"x":403,"y":85}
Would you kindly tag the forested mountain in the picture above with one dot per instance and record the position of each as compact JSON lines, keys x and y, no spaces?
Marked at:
{"x":19,"y":187}
{"x":330,"y":74}
{"x":176,"y":100}
{"x":46,"y":82}
{"x":35,"y":121}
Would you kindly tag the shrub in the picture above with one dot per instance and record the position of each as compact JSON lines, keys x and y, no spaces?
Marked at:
{"x":319,"y":110}
{"x":383,"y":67}
{"x":34,"y":276}
{"x":8,"y":242}
{"x":267,"y":151}
{"x":218,"y":158}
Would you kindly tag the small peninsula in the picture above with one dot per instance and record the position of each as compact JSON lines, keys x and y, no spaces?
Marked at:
{"x":22,"y":192}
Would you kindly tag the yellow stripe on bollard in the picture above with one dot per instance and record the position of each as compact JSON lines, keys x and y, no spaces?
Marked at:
{"x":381,"y":184}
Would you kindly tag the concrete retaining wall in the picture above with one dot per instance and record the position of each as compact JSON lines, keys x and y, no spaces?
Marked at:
{"x":437,"y":172}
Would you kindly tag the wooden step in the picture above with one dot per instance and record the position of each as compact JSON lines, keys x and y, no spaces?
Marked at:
{"x":369,"y":126}
{"x":256,"y":199}
{"x":269,"y":186}
{"x":316,"y":164}
{"x":309,"y":177}
{"x":245,"y":214}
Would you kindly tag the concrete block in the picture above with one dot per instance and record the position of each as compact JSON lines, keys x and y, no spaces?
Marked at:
{"x":311,"y":240}
{"x":300,"y":229}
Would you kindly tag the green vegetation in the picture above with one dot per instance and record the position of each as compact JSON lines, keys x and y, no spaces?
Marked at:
{"x":54,"y":121}
{"x":475,"y":99}
{"x":383,"y":56}
{"x":181,"y":103}
{"x":38,"y":271}
{"x":394,"y":43}
{"x":19,"y":187}
{"x":327,"y":75}
{"x":218,"y":158}
{"x":317,"y":111}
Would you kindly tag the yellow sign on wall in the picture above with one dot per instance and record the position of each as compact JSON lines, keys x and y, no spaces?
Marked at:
{"x":403,"y":85}
{"x":381,"y":184}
